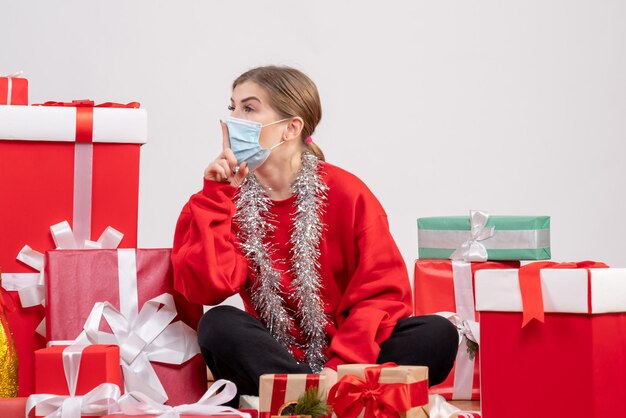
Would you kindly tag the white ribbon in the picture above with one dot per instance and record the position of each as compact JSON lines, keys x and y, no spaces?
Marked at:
{"x":467,"y":327}
{"x":10,"y":84}
{"x":137,"y":403}
{"x":100,"y":400}
{"x":143,"y":337}
{"x":31,"y":286}
{"x":439,"y":408}
{"x":472,"y":249}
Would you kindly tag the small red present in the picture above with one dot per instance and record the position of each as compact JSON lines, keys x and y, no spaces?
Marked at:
{"x":75,"y":163}
{"x":85,"y":379}
{"x":98,"y":364}
{"x":127,"y":297}
{"x":447,"y":287}
{"x":13,"y":90}
{"x":13,"y":407}
{"x":569,"y":357}
{"x":278,"y":390}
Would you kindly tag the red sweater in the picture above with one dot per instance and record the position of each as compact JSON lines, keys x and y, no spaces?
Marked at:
{"x":365,"y":285}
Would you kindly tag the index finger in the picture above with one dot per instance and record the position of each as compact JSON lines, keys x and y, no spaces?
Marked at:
{"x":225,"y":138}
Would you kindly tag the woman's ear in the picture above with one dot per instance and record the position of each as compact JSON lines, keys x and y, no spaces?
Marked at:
{"x":294,"y":129}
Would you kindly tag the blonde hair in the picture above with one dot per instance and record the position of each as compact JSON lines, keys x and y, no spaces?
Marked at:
{"x":292,"y":93}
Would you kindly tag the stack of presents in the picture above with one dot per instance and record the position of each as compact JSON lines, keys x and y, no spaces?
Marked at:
{"x":91,"y":326}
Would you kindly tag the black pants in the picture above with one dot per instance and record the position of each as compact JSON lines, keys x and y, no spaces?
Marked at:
{"x":238,"y":347}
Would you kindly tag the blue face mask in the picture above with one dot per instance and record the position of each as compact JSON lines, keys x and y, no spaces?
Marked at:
{"x":244,"y":141}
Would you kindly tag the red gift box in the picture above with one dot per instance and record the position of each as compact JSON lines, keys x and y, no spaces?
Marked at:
{"x":13,"y":90}
{"x":447,"y":286}
{"x":88,"y":374}
{"x":129,"y":280}
{"x":98,"y":364}
{"x":571,"y":364}
{"x":44,"y":172}
{"x":13,"y":407}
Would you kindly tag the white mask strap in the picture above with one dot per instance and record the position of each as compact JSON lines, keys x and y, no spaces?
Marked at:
{"x":275,"y":122}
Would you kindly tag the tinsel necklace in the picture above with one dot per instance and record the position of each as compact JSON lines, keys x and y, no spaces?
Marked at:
{"x":254,"y":222}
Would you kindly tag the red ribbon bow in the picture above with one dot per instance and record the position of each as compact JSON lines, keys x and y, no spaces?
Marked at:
{"x":380,"y":400}
{"x":530,"y":285}
{"x":84,"y":115}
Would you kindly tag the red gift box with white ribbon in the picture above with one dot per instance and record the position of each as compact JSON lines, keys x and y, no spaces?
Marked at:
{"x":74,"y":166}
{"x":446,"y":287}
{"x":127,"y":297}
{"x":13,"y":89}
{"x":553,"y":335}
{"x":76,"y":381}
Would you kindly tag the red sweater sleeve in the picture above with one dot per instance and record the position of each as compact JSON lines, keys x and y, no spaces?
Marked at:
{"x":378,"y":295}
{"x":208,"y":267}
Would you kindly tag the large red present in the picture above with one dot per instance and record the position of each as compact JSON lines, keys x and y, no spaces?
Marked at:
{"x":278,"y":390}
{"x":13,"y":90}
{"x":78,"y":164}
{"x":83,"y":379}
{"x":131,"y":293}
{"x":446,"y":287}
{"x":568,"y":362}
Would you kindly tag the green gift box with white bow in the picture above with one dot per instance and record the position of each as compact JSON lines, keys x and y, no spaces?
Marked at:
{"x":480,"y":237}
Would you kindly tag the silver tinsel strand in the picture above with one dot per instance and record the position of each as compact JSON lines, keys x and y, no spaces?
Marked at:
{"x":310,"y":193}
{"x":253,"y":218}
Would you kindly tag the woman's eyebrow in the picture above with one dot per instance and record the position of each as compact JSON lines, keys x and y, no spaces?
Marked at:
{"x":247,"y":99}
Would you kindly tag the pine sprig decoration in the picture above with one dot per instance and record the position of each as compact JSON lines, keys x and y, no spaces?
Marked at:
{"x":309,"y":404}
{"x":472,"y":349}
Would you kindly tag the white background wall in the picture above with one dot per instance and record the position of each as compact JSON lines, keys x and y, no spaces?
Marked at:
{"x":514,"y":107}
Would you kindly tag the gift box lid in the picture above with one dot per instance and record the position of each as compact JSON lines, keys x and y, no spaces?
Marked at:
{"x":58,"y":123}
{"x":594,"y":290}
{"x":504,"y":223}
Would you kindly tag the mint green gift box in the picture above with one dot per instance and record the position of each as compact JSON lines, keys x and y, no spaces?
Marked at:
{"x":514,"y":237}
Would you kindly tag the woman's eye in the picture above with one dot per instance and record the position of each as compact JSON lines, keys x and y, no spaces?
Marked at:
{"x":248,"y":109}
{"x":231,"y":108}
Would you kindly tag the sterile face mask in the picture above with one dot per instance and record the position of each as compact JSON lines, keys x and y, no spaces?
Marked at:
{"x":244,"y":141}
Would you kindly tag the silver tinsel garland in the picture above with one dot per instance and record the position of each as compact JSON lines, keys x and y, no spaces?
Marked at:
{"x":254,"y":222}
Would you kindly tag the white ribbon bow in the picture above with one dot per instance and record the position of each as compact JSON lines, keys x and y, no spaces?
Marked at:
{"x":468,"y":329}
{"x":472,"y":249}
{"x":31,"y":286}
{"x":137,"y":403}
{"x":150,"y":336}
{"x":99,"y":401}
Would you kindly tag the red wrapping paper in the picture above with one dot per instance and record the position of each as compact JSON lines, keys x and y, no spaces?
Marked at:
{"x":572,"y":364}
{"x":19,"y":91}
{"x":434,"y":292}
{"x":77,"y":279}
{"x":98,"y":364}
{"x":36,"y":184}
